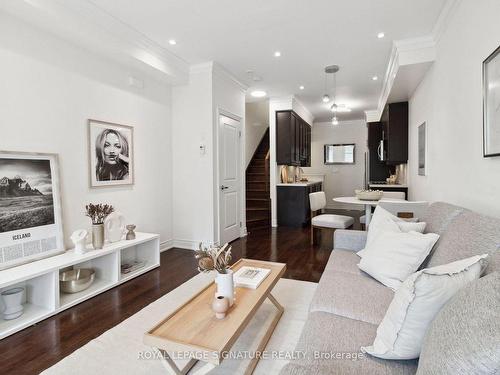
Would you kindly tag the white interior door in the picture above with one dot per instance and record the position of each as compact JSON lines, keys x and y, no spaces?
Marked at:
{"x":229,"y":178}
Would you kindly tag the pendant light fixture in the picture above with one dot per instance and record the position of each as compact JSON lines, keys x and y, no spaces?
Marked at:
{"x":331,"y":69}
{"x":335,"y":108}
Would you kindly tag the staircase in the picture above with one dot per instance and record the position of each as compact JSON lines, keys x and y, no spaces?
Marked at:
{"x":257,"y":187}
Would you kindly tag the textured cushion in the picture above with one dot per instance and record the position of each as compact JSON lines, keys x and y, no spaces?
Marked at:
{"x":353,"y":240}
{"x":343,"y":261}
{"x":464,"y":338}
{"x":469,"y":234}
{"x":383,"y":221}
{"x":391,"y":256}
{"x":332,"y":335}
{"x":416,"y":303}
{"x":353,"y":296}
{"x":332,"y":221}
{"x":439,"y":215}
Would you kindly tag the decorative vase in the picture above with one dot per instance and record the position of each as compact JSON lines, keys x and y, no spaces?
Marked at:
{"x":220,"y":305}
{"x":13,"y":301}
{"x":130,"y":233}
{"x":79,"y":237}
{"x":225,"y":285}
{"x":114,"y":224}
{"x":98,"y":236}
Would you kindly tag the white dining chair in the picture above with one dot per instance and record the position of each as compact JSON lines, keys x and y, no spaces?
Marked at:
{"x":317,"y":201}
{"x":386,"y":195}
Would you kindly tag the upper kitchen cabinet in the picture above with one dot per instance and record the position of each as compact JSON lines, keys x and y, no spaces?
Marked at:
{"x":394,"y":122}
{"x":293,"y":140}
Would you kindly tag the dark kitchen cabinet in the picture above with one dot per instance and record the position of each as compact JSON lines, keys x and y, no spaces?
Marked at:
{"x":293,"y":139}
{"x":395,"y":132}
{"x":293,"y":203}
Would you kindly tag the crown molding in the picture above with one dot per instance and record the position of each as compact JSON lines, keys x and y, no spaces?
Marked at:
{"x":221,"y":72}
{"x":86,"y":25}
{"x":408,"y":52}
{"x":443,"y":20}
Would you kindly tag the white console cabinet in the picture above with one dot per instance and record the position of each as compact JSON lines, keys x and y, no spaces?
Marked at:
{"x":40,"y":279}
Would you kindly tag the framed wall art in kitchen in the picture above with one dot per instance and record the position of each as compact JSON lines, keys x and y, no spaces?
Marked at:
{"x":491,"y":104}
{"x":30,"y":208}
{"x":111,"y":156}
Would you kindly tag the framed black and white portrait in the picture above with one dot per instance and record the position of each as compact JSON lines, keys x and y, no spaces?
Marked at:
{"x":111,"y":154}
{"x":491,"y":104}
{"x":30,"y":208}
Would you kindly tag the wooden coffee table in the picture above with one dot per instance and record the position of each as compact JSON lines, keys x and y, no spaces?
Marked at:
{"x":193,"y":328}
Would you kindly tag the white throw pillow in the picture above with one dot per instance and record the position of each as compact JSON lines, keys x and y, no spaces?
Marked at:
{"x":401,"y":333}
{"x":383,"y":221}
{"x":393,"y":256}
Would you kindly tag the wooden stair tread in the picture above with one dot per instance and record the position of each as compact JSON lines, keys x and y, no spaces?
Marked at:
{"x":258,"y":219}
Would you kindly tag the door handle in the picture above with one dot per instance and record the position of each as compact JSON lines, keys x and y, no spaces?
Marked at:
{"x":378,"y":152}
{"x":224,"y":187}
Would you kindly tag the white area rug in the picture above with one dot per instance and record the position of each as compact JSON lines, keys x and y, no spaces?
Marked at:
{"x":121,"y":351}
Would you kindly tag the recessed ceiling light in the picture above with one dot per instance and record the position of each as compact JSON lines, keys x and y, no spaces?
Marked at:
{"x":326,"y":98}
{"x":172,"y":42}
{"x":335,"y":121}
{"x":258,"y":93}
{"x":374,"y":78}
{"x":301,"y":87}
{"x":380,"y":35}
{"x":277,"y":54}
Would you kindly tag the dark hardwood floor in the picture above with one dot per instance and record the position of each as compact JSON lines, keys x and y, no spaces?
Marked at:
{"x":44,"y":344}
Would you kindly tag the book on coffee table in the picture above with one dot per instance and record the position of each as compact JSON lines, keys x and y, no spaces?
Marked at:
{"x":250,"y":277}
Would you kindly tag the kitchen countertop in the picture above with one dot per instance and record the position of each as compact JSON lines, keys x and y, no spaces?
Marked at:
{"x":388,"y":185}
{"x":305,"y":183}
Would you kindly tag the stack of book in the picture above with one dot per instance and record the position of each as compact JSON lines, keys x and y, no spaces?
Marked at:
{"x":132,"y":266}
{"x":250,"y":277}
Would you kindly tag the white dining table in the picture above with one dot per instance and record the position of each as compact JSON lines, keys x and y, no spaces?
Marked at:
{"x":368,"y":205}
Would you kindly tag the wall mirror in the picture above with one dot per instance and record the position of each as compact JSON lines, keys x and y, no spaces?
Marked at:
{"x":339,"y":154}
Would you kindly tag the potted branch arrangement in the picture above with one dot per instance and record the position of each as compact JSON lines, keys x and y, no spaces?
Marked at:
{"x":97,"y":213}
{"x":217,"y":258}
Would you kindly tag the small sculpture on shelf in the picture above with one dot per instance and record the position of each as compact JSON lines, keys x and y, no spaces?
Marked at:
{"x":97,"y":213}
{"x":79,"y":238}
{"x":114,"y":226}
{"x":130,"y":233}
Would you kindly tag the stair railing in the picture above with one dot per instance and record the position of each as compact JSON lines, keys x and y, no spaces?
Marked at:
{"x":267,"y":168}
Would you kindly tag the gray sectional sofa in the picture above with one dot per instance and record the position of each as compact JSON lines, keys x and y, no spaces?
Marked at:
{"x":349,"y":305}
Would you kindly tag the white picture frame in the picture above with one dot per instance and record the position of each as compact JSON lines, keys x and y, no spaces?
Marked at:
{"x":491,"y":105}
{"x":31,"y":225}
{"x":111,"y":154}
{"x":422,"y":149}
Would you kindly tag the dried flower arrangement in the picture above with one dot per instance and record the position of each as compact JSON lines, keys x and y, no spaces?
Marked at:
{"x":98,"y":212}
{"x":213,"y":257}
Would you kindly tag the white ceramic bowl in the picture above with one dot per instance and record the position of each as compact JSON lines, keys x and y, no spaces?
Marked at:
{"x":369,"y":195}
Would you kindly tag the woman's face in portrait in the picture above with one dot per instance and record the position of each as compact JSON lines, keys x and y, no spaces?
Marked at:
{"x":112,"y":148}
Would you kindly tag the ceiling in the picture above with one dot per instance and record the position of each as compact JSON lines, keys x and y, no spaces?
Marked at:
{"x":243,"y":36}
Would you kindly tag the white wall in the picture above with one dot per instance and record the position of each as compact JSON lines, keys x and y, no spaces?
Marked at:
{"x":449,"y":100}
{"x":196,"y":106}
{"x":50,"y":89}
{"x":340,"y":180}
{"x":256,"y":124}
{"x":193,"y":171}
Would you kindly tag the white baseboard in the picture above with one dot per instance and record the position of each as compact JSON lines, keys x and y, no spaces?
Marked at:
{"x":186,"y":244}
{"x":166,"y":245}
